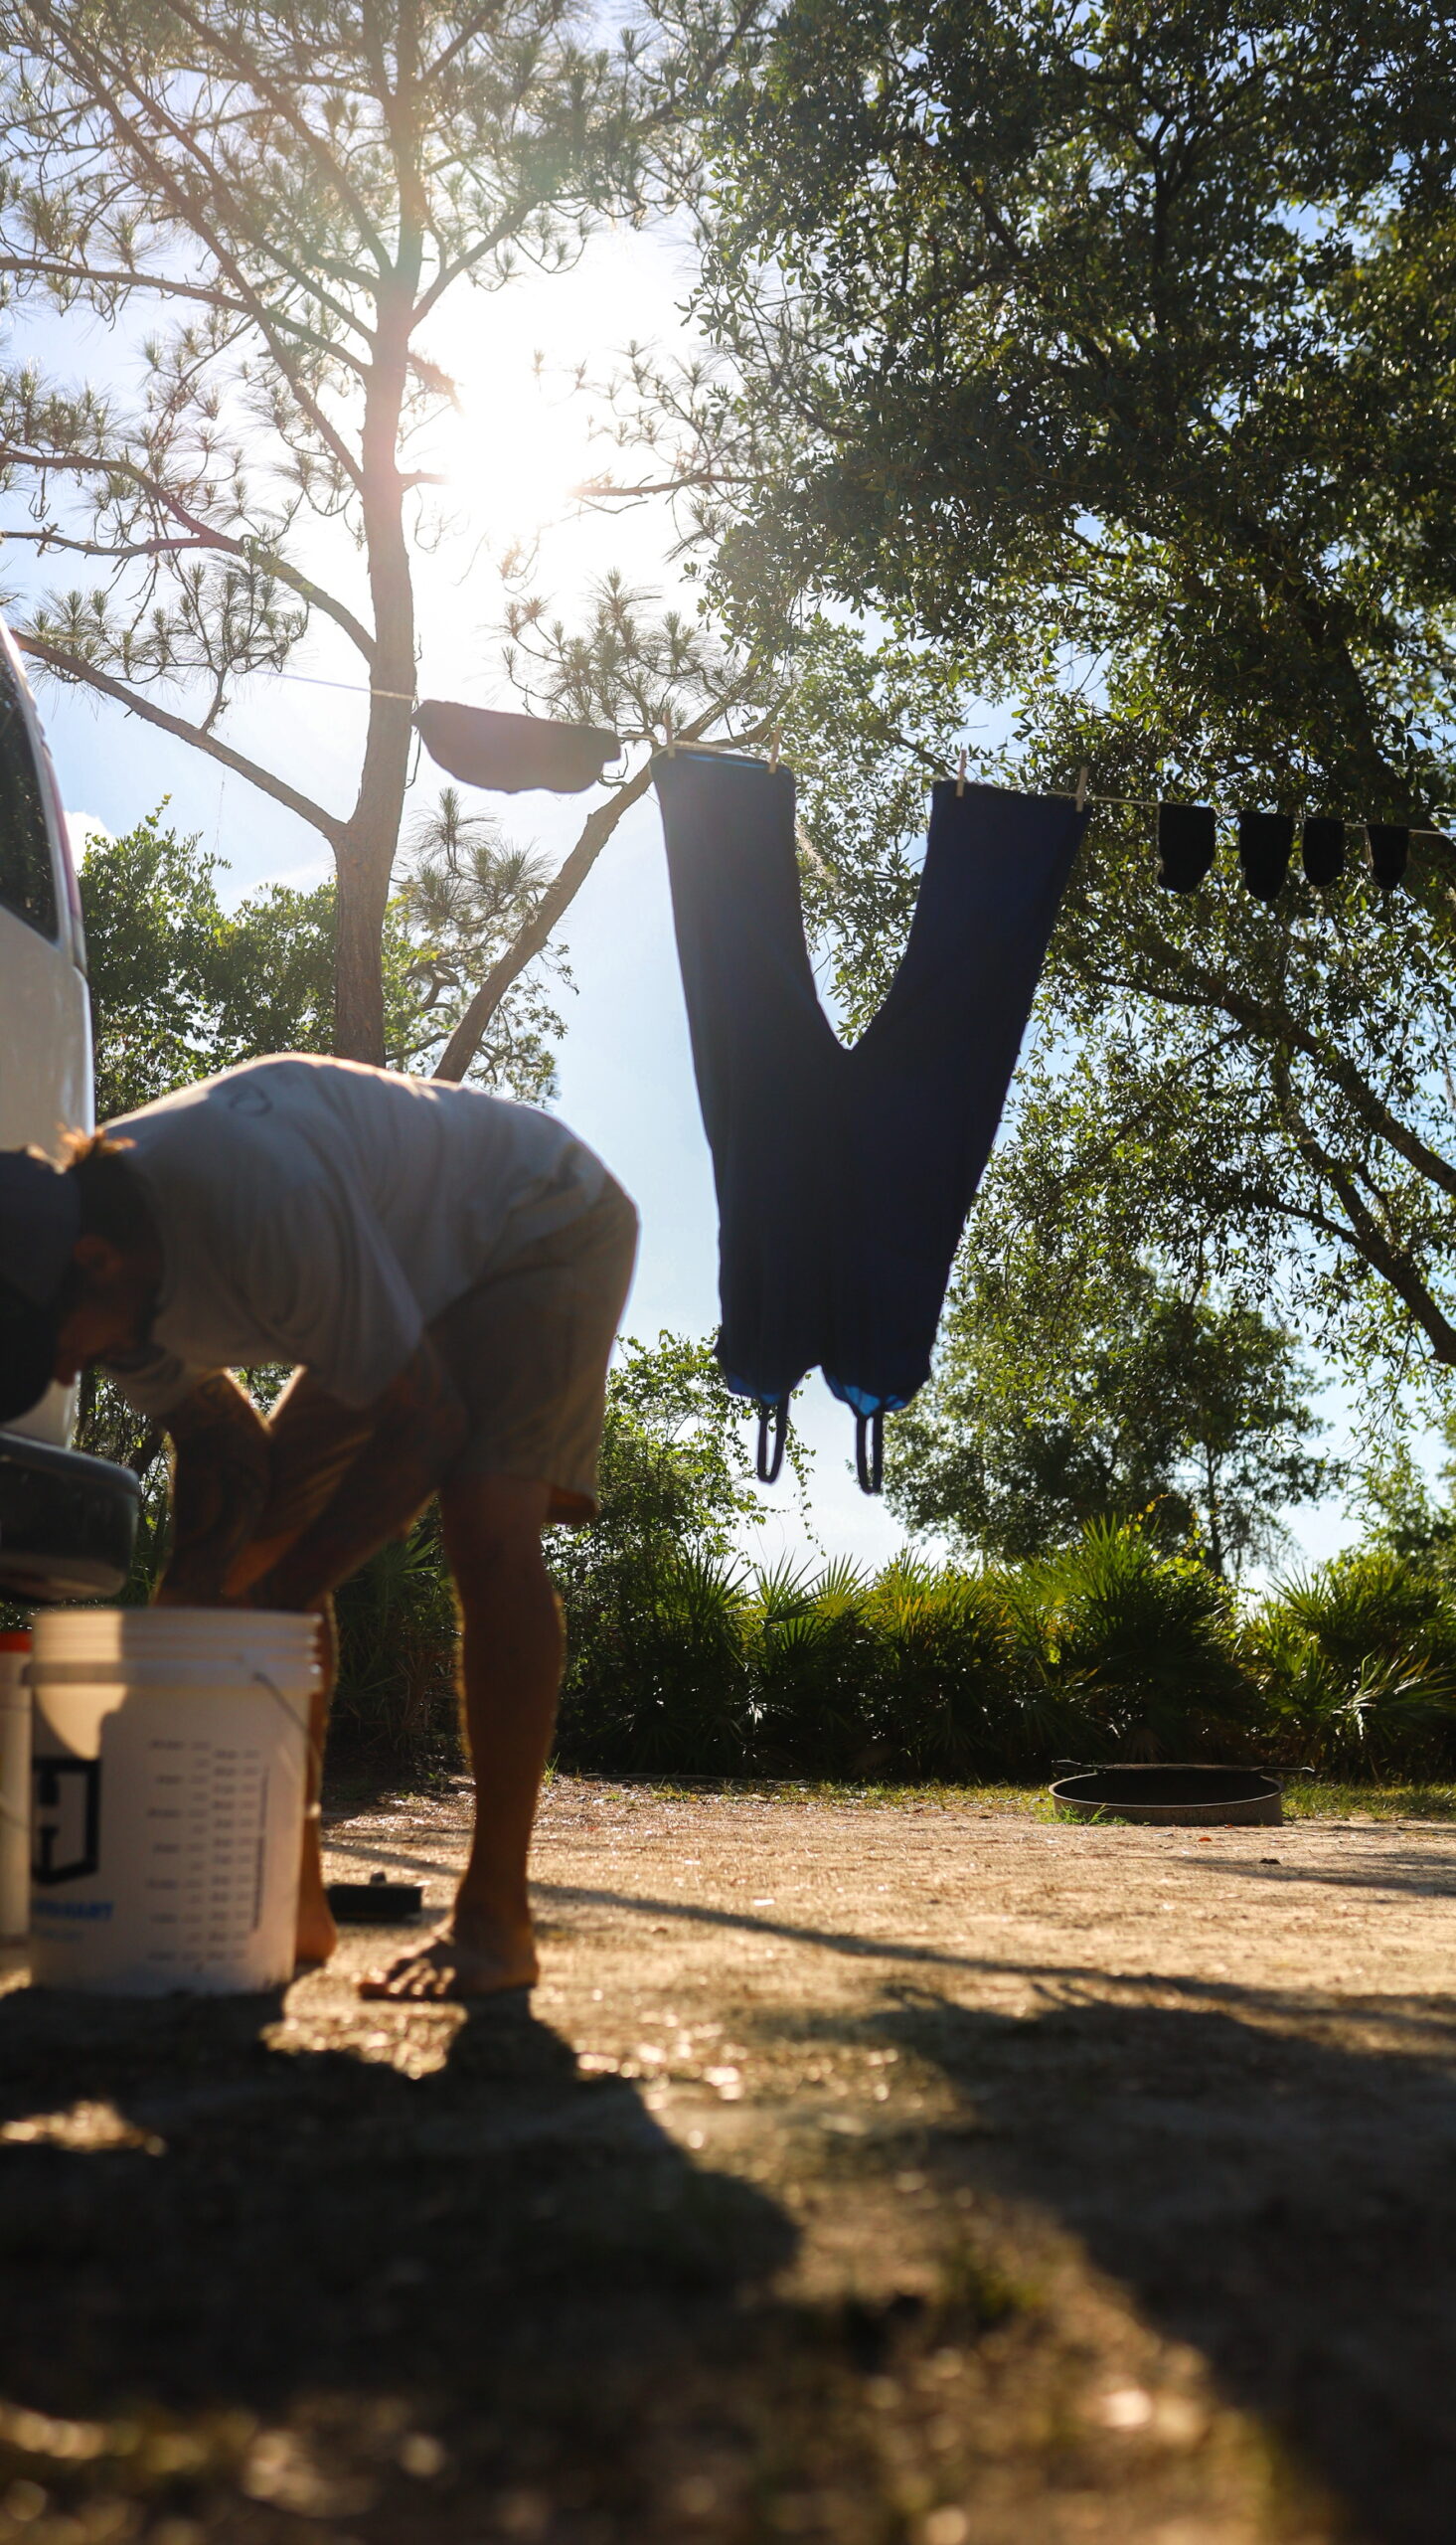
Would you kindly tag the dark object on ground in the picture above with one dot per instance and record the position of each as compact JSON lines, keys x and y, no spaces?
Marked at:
{"x":1389,"y":849}
{"x":376,"y":1903}
{"x":1202,"y":1797}
{"x":843,"y":1177}
{"x":1187,"y":839}
{"x":67,"y":1522}
{"x":1323,"y":848}
{"x":509,"y":753}
{"x":1265,"y":846}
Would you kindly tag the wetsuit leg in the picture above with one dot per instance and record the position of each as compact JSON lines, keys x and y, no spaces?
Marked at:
{"x":765,"y":1056}
{"x":923,"y":1091}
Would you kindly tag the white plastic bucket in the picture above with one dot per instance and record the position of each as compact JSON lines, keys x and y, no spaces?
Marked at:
{"x":15,"y":1788}
{"x":170,"y":1759}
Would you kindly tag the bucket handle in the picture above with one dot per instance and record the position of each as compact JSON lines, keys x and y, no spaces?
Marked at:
{"x":312,"y":1810}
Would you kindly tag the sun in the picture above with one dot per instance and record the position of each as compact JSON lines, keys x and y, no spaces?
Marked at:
{"x":512,"y":446}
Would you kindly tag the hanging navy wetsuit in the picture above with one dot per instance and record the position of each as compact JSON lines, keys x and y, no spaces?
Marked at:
{"x":845,"y":1177}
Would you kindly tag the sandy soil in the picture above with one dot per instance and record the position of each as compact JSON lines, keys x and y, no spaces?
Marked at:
{"x":880,"y":2175}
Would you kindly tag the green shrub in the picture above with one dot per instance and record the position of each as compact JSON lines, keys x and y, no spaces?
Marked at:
{"x":656,"y":1676}
{"x":1138,"y":1646}
{"x":1112,"y":1648}
{"x":1354,"y":1664}
{"x":683,"y":1661}
{"x":397,"y":1706}
{"x":948,"y":1697}
{"x":811,"y":1657}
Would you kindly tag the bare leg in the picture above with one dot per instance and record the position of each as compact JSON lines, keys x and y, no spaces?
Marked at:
{"x":312,"y":1445}
{"x":512,"y":1668}
{"x":317,"y":1933}
{"x":312,"y":1442}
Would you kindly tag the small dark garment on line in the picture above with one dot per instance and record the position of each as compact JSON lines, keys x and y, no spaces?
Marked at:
{"x":844,"y":1176}
{"x":1188,"y":838}
{"x":1389,"y":849}
{"x":1265,"y":846}
{"x":509,"y":753}
{"x":1322,"y":847}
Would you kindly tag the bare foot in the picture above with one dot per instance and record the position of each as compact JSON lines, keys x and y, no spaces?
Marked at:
{"x":317,"y":1933}
{"x":447,"y":1967}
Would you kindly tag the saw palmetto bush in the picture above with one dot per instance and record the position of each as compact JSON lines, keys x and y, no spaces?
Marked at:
{"x":657,"y":1677}
{"x":1137,"y":1649}
{"x":1355,"y":1665}
{"x":810,"y":1655}
{"x":397,"y":1706}
{"x":693,"y":1663}
{"x":948,"y":1692}
{"x":685,"y":1659}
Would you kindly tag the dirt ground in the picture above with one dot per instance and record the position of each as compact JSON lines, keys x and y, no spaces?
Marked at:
{"x":880,"y":2174}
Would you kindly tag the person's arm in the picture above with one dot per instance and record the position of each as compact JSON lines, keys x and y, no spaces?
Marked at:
{"x":222,"y":1475}
{"x":415,"y":1429}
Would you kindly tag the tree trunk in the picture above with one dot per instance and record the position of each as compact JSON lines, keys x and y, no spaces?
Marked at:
{"x":364,"y":867}
{"x":561,"y":891}
{"x":365,"y":856}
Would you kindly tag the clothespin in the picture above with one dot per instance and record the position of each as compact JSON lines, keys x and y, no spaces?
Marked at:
{"x":1081,"y":789}
{"x":774,"y":738}
{"x":960,"y":775}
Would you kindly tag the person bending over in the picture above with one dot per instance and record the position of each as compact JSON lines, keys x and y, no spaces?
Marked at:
{"x":446,"y":1271}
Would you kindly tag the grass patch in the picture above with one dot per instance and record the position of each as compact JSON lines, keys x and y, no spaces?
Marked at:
{"x":1316,"y":1798}
{"x":1305,"y":1797}
{"x":841,"y":1793}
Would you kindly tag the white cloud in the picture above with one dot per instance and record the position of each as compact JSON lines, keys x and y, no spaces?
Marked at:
{"x":83,"y":826}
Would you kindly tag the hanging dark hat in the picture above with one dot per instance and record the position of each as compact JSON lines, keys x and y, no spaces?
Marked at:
{"x":1321,"y":846}
{"x":1389,"y":849}
{"x":1265,"y":846}
{"x":39,"y":1222}
{"x":508,"y":754}
{"x":1188,"y":840}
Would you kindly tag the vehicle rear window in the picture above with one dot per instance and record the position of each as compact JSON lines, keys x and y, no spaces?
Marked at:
{"x":27,"y":877}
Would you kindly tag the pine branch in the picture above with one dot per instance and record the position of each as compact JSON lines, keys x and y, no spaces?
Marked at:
{"x":250,"y":551}
{"x":74,"y":667}
{"x":208,"y":32}
{"x":557,"y":898}
{"x":136,"y":278}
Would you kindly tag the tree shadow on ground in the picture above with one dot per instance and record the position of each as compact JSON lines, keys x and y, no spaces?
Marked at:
{"x":205,"y":2229}
{"x":1268,"y":2180}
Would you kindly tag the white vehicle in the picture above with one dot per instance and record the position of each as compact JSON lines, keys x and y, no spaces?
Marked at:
{"x":67,"y":1522}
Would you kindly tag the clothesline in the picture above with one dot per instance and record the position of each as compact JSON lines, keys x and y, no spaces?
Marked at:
{"x":355,"y":688}
{"x":1156,"y":803}
{"x":1081,"y":794}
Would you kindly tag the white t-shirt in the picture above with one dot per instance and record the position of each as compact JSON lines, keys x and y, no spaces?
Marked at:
{"x":318,"y":1213}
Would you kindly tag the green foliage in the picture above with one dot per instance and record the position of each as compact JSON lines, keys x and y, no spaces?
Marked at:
{"x":1356,"y":1666}
{"x":398,"y":1626}
{"x":280,"y":215}
{"x":685,"y":1659}
{"x":1140,"y":1643}
{"x":807,"y":1654}
{"x":1102,"y":360}
{"x":951,"y":1694}
{"x":652,"y":1589}
{"x":1072,"y":1387}
{"x":182,"y":987}
{"x":1085,"y":342}
{"x":1111,"y":1650}
{"x":464,"y":896}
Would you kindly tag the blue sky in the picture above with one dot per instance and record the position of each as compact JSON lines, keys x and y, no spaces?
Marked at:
{"x":519,"y":444}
